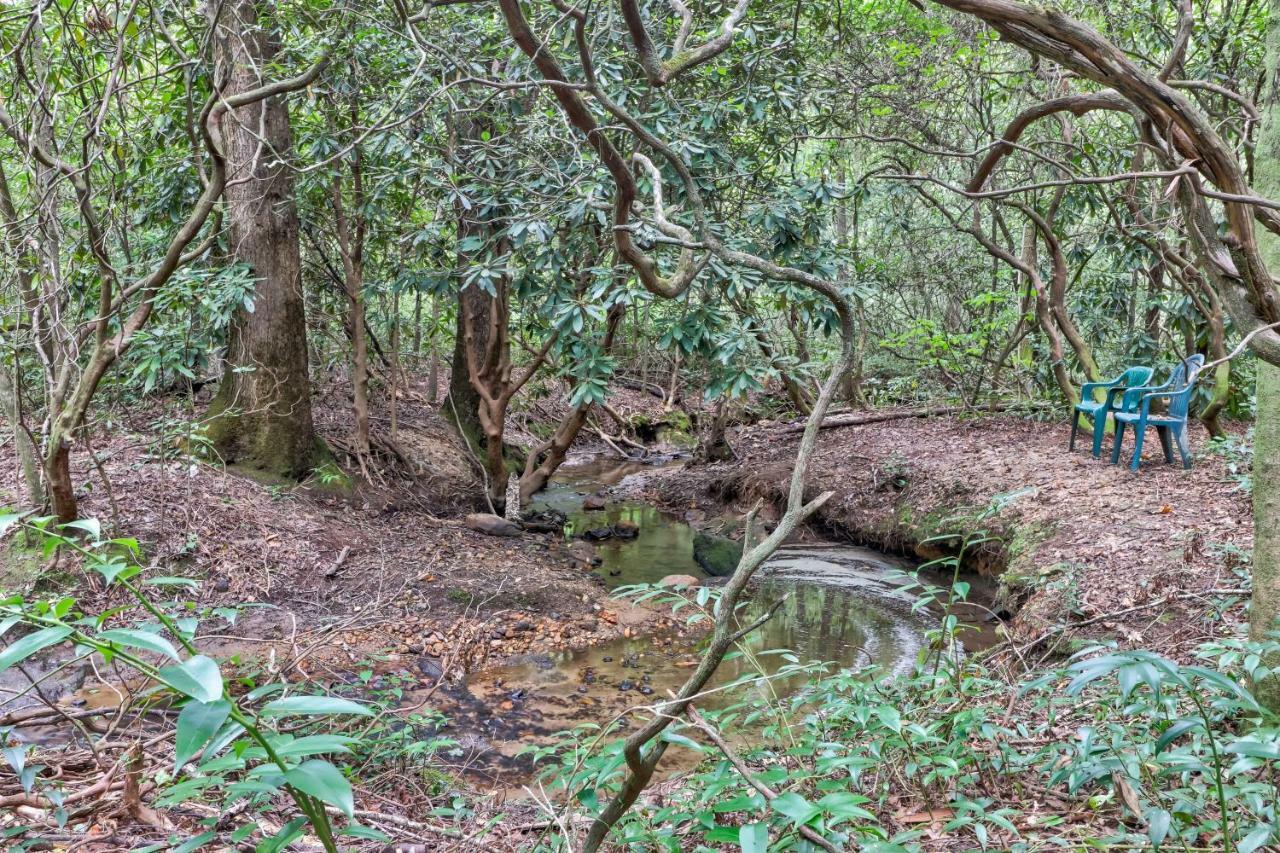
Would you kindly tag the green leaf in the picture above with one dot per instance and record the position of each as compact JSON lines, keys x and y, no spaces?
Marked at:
{"x":1176,"y":731}
{"x":325,"y":782}
{"x":89,"y":525}
{"x":283,"y":838}
{"x":314,"y":745}
{"x":140,"y":640}
{"x":197,"y":723}
{"x":795,"y":807}
{"x":1256,"y":749}
{"x":295,"y":706}
{"x":197,"y":677}
{"x":22,"y":649}
{"x":1158,"y":821}
{"x":843,"y":804}
{"x":754,"y":838}
{"x":355,"y":830}
{"x":166,"y":580}
{"x":1256,"y":838}
{"x":195,"y":843}
{"x":7,"y":520}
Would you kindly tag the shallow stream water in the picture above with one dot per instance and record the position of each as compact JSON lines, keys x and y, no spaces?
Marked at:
{"x":843,"y":605}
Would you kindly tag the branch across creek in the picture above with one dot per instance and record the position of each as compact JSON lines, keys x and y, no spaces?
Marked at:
{"x":841,"y":604}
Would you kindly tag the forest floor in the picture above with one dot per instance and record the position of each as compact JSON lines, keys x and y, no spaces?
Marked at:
{"x":387,"y":577}
{"x":330,"y":575}
{"x":1083,"y":548}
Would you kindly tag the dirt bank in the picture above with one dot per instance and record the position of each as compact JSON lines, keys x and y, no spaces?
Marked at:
{"x":1082,"y":545}
{"x":331,"y":571}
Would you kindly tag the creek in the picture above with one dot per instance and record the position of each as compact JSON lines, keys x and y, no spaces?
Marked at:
{"x":844,"y":605}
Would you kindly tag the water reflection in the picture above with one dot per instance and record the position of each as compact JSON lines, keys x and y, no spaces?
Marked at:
{"x":842,"y":605}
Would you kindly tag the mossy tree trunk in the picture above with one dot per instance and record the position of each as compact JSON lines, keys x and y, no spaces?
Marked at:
{"x":262,"y":412}
{"x":1264,"y":609}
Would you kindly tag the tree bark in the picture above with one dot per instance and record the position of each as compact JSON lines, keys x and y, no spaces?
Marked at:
{"x":262,"y":412}
{"x":1264,"y":609}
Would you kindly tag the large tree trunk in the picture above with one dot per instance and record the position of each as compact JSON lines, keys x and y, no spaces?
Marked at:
{"x":462,"y":403}
{"x":1264,"y":610}
{"x":263,"y":407}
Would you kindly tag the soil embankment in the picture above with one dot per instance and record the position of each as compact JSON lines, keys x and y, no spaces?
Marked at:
{"x":1081,"y":548}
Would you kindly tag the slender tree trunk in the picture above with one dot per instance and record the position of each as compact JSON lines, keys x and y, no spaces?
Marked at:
{"x":351,"y":247}
{"x":395,"y":362}
{"x":263,"y":406}
{"x":11,"y":384}
{"x":28,"y":458}
{"x":433,"y":378}
{"x":1264,"y":609}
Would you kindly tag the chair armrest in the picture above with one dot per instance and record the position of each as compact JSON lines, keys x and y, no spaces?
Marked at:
{"x":1087,"y":388}
{"x":1133,"y":393}
{"x":1158,"y":394}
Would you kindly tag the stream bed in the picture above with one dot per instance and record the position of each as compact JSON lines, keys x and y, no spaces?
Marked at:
{"x":844,"y":605}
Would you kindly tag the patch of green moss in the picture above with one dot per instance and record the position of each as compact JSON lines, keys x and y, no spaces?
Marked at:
{"x":22,"y":568}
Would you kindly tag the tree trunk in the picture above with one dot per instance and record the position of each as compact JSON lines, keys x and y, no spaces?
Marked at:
{"x":262,"y":412}
{"x":543,"y":461}
{"x":1264,"y":609}
{"x":11,"y":402}
{"x":433,"y":378}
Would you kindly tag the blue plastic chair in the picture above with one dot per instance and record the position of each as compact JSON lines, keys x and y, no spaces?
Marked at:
{"x":1097,"y":410}
{"x":1171,"y":426}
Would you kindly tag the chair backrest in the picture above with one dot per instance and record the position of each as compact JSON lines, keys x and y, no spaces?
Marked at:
{"x":1135,"y":376}
{"x":1185,"y":373}
{"x":1183,"y":376}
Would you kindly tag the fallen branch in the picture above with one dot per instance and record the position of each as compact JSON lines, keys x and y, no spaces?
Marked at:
{"x":903,"y":414}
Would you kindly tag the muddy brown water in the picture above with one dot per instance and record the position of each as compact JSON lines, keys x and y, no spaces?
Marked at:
{"x":844,"y":606}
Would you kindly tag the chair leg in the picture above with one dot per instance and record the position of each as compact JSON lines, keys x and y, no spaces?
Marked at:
{"x":1166,"y":443}
{"x":1075,"y":423}
{"x":1099,"y":428}
{"x":1139,"y":430}
{"x":1184,"y":449}
{"x":1116,"y":442}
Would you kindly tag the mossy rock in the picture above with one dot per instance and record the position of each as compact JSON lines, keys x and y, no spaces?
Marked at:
{"x":717,"y":555}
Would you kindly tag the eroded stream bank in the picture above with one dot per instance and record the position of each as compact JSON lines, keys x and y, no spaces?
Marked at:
{"x":844,"y":605}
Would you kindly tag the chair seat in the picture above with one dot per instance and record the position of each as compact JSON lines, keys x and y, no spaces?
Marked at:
{"x":1089,"y":406}
{"x":1152,"y":420}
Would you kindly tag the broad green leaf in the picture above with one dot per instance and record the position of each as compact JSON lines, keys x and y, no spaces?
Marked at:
{"x":296,"y":706}
{"x":89,"y":525}
{"x":287,"y":834}
{"x":165,"y":580}
{"x":197,"y":677}
{"x":314,"y":745}
{"x":795,"y":807}
{"x":140,"y":640}
{"x":355,"y":830}
{"x":195,"y":843}
{"x":753,"y":838}
{"x":22,"y":649}
{"x":1257,"y":837}
{"x":1158,"y":821}
{"x":325,"y":782}
{"x":7,"y":520}
{"x":197,"y":723}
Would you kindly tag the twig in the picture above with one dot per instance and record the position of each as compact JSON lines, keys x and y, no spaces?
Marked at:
{"x":765,"y":791}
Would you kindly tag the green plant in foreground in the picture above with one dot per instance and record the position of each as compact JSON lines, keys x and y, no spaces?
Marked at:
{"x":222,"y":742}
{"x":1149,"y":753}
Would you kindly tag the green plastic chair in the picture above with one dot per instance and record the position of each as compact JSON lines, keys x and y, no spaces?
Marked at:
{"x":1171,"y":426}
{"x":1098,"y":410}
